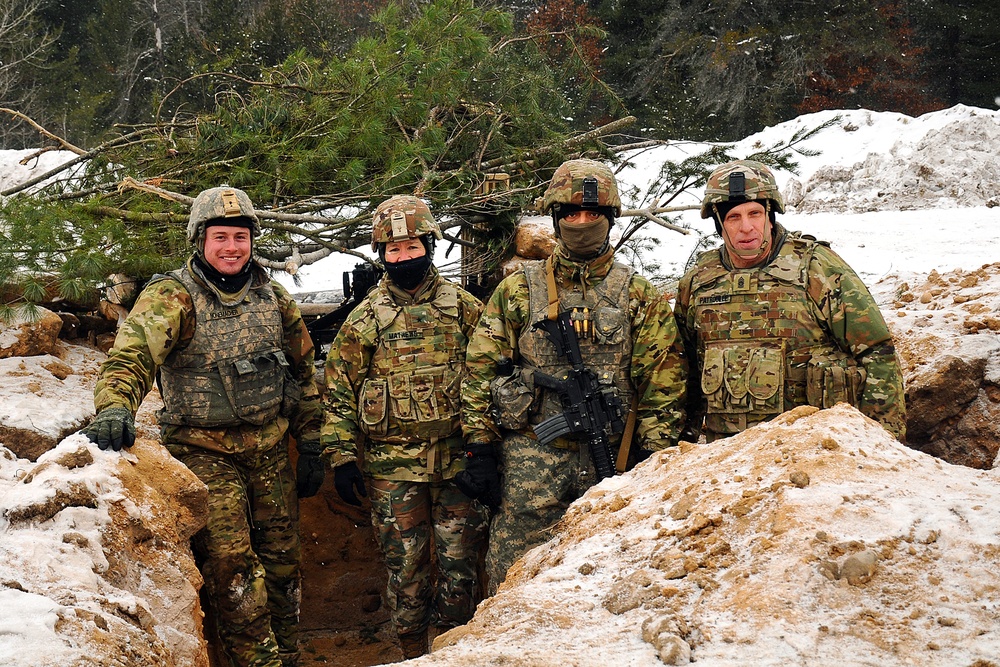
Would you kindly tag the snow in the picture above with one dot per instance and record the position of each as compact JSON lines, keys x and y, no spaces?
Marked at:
{"x":813,"y":539}
{"x":934,"y":528}
{"x":941,"y":229}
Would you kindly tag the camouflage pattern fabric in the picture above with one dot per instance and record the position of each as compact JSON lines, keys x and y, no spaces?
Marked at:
{"x":245,"y":466}
{"x":658,"y":374}
{"x":538,"y":484}
{"x":607,"y":350}
{"x":252,"y":574}
{"x":658,"y":368}
{"x":394,"y":373}
{"x":801,"y":329}
{"x":408,"y":517}
{"x":219,"y":203}
{"x":233,"y":372}
{"x":758,"y":185}
{"x":566,"y":186}
{"x":163,"y":320}
{"x":402,"y":217}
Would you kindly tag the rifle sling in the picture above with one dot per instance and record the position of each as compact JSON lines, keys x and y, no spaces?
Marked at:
{"x":550,"y":278}
{"x":621,"y":463}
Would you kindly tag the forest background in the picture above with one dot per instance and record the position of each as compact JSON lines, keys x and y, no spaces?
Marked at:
{"x":321,"y":109}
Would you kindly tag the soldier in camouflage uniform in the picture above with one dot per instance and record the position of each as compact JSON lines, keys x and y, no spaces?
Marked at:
{"x":234,"y":365}
{"x":393,"y":379}
{"x":629,"y":340}
{"x":774,"y":319}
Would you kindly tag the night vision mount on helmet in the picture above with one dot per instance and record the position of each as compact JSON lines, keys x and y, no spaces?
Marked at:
{"x":582,"y":183}
{"x":402,"y":217}
{"x":739,"y":182}
{"x":219,"y":204}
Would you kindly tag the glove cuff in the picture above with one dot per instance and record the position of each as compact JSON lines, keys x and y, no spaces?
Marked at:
{"x":309,"y":446}
{"x":484,"y":449}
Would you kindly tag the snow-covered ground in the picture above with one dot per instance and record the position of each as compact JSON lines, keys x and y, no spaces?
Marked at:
{"x":891,"y":193}
{"x":896,"y":196}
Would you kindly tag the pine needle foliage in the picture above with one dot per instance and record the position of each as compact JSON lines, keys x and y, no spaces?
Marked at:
{"x":437,"y":96}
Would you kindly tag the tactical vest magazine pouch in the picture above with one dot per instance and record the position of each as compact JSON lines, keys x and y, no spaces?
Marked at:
{"x":373,"y":406}
{"x":513,"y":396}
{"x":399,"y":396}
{"x":832,"y":378}
{"x":609,"y":326}
{"x":255,"y":387}
{"x":746,"y":377}
{"x":424,"y":403}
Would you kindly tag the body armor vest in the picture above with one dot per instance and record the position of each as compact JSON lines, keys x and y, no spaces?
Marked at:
{"x":233,"y":370}
{"x":762,"y":342}
{"x":411,"y":393}
{"x":607,"y":350}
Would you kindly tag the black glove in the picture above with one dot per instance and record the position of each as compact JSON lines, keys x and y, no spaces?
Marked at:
{"x":309,"y":472}
{"x":348,"y":480}
{"x":113,"y":428}
{"x":481,"y":478}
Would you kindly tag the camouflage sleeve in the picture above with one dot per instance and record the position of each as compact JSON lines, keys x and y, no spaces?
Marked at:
{"x":470,"y":309}
{"x":308,"y":416}
{"x":857,"y":325}
{"x":495,"y":338}
{"x":162,"y":317}
{"x":695,"y":406}
{"x":346,"y":368}
{"x":659,"y":367}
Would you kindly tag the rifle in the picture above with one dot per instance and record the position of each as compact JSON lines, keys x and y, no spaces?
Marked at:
{"x":590,"y":411}
{"x":324,"y":329}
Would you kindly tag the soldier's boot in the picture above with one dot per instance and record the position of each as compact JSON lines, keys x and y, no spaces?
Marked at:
{"x":288,"y":658}
{"x":413,"y":645}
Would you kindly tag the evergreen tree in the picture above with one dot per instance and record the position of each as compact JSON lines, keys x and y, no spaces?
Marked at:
{"x":722,"y":70}
{"x":963,"y":49}
{"x":430,"y":103}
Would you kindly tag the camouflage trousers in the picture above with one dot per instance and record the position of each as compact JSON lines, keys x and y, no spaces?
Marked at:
{"x":407,"y":517}
{"x":249,"y":551}
{"x":538,"y":483}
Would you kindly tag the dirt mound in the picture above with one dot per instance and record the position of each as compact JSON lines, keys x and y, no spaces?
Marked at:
{"x":953,"y":166}
{"x":945,"y":328}
{"x":800,"y":541}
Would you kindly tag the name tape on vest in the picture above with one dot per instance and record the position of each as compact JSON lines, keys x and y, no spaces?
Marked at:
{"x":403,"y":335}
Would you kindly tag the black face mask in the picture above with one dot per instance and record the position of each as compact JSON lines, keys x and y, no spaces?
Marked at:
{"x":408,"y":273}
{"x":229,"y":284}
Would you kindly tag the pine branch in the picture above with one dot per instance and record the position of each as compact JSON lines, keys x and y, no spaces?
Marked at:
{"x":572,"y":142}
{"x":45,"y":133}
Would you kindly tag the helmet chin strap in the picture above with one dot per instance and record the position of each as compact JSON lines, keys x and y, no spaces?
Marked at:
{"x":765,"y":242}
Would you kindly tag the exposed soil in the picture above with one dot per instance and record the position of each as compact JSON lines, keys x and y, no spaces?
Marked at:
{"x":343,"y":620}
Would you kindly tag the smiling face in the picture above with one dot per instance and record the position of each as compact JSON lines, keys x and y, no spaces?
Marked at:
{"x":746,"y":232}
{"x":228,"y":249}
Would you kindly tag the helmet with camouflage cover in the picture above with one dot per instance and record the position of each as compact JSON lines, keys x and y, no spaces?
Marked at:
{"x":223,"y":205}
{"x":583,"y":183}
{"x":738,"y":182}
{"x":402,"y":217}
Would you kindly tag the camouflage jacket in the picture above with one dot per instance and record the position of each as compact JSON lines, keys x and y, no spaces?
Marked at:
{"x":393,"y":379}
{"x":161,"y":322}
{"x":658,"y":370}
{"x":799,"y":329}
